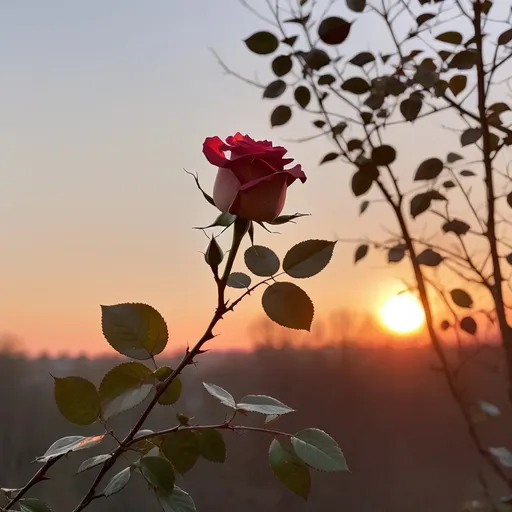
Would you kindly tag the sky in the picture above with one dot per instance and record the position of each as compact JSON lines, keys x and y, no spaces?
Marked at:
{"x":105,"y":105}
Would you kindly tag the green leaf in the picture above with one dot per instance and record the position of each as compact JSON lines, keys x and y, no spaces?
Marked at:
{"x":302,"y":96}
{"x":457,"y":84}
{"x":238,"y":280}
{"x":212,"y":446}
{"x":333,"y":30}
{"x":263,"y":404}
{"x":308,"y":258}
{"x":173,"y":392}
{"x":280,"y":115}
{"x":470,"y":136}
{"x":282,"y":65}
{"x":177,"y":501}
{"x":453,"y":157}
{"x":93,"y":462}
{"x":361,"y":59}
{"x":450,"y":37}
{"x":505,"y":37}
{"x":503,"y":455}
{"x":361,"y":252}
{"x":261,"y":261}
{"x":77,"y":400}
{"x":429,"y":258}
{"x":69,"y":444}
{"x":274,"y":89}
{"x":469,"y":325}
{"x":223,"y":396}
{"x":429,"y":169}
{"x":356,"y":85}
{"x":356,"y":5}
{"x":459,"y":227}
{"x":461,"y":298}
{"x":464,"y":60}
{"x":33,"y":505}
{"x":118,"y":482}
{"x":158,"y":471}
{"x":125,"y":386}
{"x":288,"y":305}
{"x":383,"y":155}
{"x":289,"y":469}
{"x":134,"y":330}
{"x":262,"y":43}
{"x":319,"y":450}
{"x":182,"y":449}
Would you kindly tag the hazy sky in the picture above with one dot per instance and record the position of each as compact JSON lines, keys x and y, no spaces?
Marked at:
{"x":104,"y":104}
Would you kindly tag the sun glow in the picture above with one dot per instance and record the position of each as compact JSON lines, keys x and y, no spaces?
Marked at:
{"x":402,"y":313}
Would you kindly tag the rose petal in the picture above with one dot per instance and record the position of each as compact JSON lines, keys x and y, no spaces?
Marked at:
{"x":261,"y":200}
{"x":213,"y":151}
{"x":295,"y":173}
{"x":225,"y":188}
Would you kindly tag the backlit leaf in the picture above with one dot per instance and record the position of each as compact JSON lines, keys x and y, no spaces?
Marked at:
{"x":261,"y":261}
{"x":505,"y":37}
{"x":177,"y":501}
{"x":223,"y":396}
{"x":158,"y":471}
{"x":238,"y":280}
{"x":118,"y":482}
{"x":288,"y":305}
{"x":125,"y":386}
{"x":33,"y":505}
{"x":319,"y":450}
{"x":453,"y":157}
{"x":182,"y":449}
{"x":282,"y":65}
{"x":464,"y":60}
{"x":69,"y":444}
{"x":289,"y":469}
{"x":450,"y":37}
{"x":173,"y":391}
{"x":329,"y":157}
{"x":308,"y":258}
{"x":396,"y":254}
{"x":383,"y":155}
{"x":316,"y":59}
{"x":410,"y":108}
{"x":77,"y":400}
{"x":263,"y":404}
{"x":93,"y":462}
{"x":212,"y":445}
{"x":134,"y":330}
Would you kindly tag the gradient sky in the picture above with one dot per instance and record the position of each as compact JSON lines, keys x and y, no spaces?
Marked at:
{"x":104,"y":105}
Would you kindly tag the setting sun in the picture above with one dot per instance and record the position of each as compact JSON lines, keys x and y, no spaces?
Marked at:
{"x":402,"y":313}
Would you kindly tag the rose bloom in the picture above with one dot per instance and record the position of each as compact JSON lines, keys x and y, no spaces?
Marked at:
{"x":252,"y":182}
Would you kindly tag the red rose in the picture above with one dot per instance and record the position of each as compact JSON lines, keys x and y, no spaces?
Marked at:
{"x":252,"y":182}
